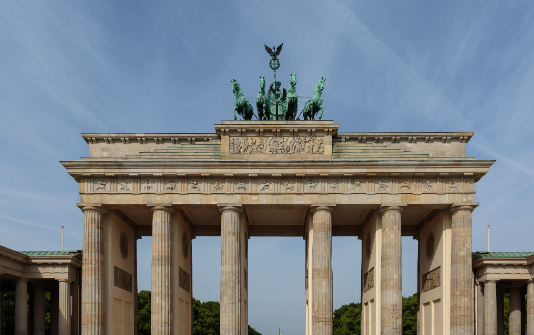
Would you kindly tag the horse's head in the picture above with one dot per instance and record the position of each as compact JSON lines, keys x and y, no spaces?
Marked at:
{"x":235,"y":86}
{"x":320,"y":84}
{"x":293,"y":80}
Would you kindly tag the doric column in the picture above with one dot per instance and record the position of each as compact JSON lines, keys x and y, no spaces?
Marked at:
{"x":64,"y":307}
{"x":322,"y":284}
{"x":93,"y":271}
{"x":391,"y":269}
{"x":515,"y":311}
{"x":480,"y":308}
{"x":490,"y":308}
{"x":39,"y":310}
{"x":54,"y":311}
{"x":161,"y":318}
{"x":500,"y":312}
{"x":230,"y":271}
{"x":530,"y":307}
{"x":75,"y":317}
{"x":21,"y":306}
{"x":462,"y":316}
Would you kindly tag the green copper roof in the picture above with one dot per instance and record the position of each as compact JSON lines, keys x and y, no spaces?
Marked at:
{"x":485,"y":254}
{"x":72,"y":253}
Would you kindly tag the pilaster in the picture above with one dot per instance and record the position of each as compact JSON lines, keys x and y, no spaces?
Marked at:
{"x":462,"y":315}
{"x":161,"y":318}
{"x":391,"y":279}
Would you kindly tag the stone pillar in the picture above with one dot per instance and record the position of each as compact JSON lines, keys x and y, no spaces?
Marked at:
{"x":391,"y":280}
{"x":515,"y":311}
{"x":322,"y":284}
{"x":136,"y":291}
{"x":480,"y":308}
{"x":490,"y":308}
{"x":462,"y":316}
{"x":21,"y":306}
{"x":500,"y":312}
{"x":530,"y":307}
{"x":93,"y":271}
{"x":64,"y":307}
{"x":523,"y":311}
{"x":75,"y":315}
{"x":230,"y":271}
{"x":54,"y":311}
{"x":161,"y":318}
{"x":39,"y":310}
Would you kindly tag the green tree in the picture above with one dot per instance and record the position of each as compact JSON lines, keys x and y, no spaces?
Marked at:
{"x":206,"y":317}
{"x":143,"y":313}
{"x":409,"y":315}
{"x":347,"y":319}
{"x":252,"y":331}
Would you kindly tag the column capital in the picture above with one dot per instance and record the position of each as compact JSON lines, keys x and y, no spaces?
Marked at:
{"x":230,"y":207}
{"x":464,"y":207}
{"x":387,"y":208}
{"x":163,"y":208}
{"x":65,"y":280}
{"x":488,"y":281}
{"x":92,"y":207}
{"x":322,"y":207}
{"x":530,"y":281}
{"x":21,"y":280}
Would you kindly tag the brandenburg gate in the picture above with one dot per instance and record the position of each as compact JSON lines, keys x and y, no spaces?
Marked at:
{"x":277,"y":178}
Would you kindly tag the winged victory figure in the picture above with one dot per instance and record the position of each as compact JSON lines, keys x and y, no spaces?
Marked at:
{"x":276,"y":51}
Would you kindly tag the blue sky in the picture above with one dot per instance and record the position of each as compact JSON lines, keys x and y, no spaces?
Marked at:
{"x":134,"y":66}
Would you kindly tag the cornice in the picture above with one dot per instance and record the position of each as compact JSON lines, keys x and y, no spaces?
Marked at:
{"x":499,"y":261}
{"x":13,"y":254}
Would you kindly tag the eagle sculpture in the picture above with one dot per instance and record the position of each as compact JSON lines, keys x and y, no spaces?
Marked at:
{"x":275,"y":53}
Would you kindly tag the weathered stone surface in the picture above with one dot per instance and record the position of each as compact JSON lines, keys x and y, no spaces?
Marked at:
{"x":21,"y":307}
{"x":64,"y":307}
{"x":490,"y":308}
{"x":514,"y":326}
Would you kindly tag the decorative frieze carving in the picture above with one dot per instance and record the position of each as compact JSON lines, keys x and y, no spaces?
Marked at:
{"x":276,"y":145}
{"x":122,"y":279}
{"x":184,"y":280}
{"x":369,"y":280}
{"x":432,"y":279}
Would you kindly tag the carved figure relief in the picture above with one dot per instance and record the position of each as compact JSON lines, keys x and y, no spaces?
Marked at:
{"x":217,"y":186}
{"x":430,"y":245}
{"x":241,"y":185}
{"x":335,"y":187}
{"x":185,"y":246}
{"x":265,"y":186}
{"x":184,"y":280}
{"x":123,"y":186}
{"x":101,"y":185}
{"x":171,"y":186}
{"x":432,"y":279}
{"x":122,"y":279}
{"x":369,"y":280}
{"x":382,"y":185}
{"x":312,"y":184}
{"x":147,"y":186}
{"x":453,"y":185}
{"x":406,"y":185}
{"x":193,"y":185}
{"x":287,"y":187}
{"x":276,"y":145}
{"x":123,"y":244}
{"x":358,"y":185}
{"x":428,"y":185}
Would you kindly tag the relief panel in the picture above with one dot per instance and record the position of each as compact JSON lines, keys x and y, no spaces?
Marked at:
{"x":241,"y":185}
{"x":218,"y":185}
{"x":335,"y":185}
{"x":288,"y":185}
{"x":453,"y":185}
{"x":429,"y":185}
{"x":148,"y":185}
{"x":358,"y":186}
{"x":265,"y":185}
{"x":124,"y":185}
{"x":194,"y":185}
{"x":184,"y":280}
{"x":432,"y":279}
{"x":100,"y":185}
{"x":312,"y":185}
{"x":276,"y":145}
{"x":122,"y":279}
{"x":369,"y":280}
{"x":171,"y":185}
{"x":382,"y":185}
{"x":406,"y":185}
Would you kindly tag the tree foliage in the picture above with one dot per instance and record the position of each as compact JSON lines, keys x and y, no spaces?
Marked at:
{"x":206,"y":317}
{"x":143,"y":313}
{"x":347,"y":319}
{"x":409,"y":315}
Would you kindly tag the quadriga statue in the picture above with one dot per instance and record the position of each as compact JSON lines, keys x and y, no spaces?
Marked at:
{"x":315,"y":104}
{"x":241,"y":105}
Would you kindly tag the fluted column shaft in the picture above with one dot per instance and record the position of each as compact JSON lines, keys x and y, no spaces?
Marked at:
{"x":322,"y":283}
{"x":490,"y":308}
{"x":230,"y":271}
{"x":21,"y":306}
{"x":500,"y":312}
{"x":93,"y":271}
{"x":64,"y":307}
{"x":39,"y":310}
{"x":161,"y":318}
{"x":530,"y":307}
{"x":515,"y":311}
{"x":75,"y":315}
{"x":462,"y":316}
{"x":391,"y":268}
{"x":480,"y":308}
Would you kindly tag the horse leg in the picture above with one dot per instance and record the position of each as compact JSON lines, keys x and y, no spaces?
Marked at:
{"x":235,"y":116}
{"x":321,"y":115}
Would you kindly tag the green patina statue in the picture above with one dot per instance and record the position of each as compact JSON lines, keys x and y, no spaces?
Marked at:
{"x":241,"y":105}
{"x":315,"y":104}
{"x":262,"y":103}
{"x":278,"y":104}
